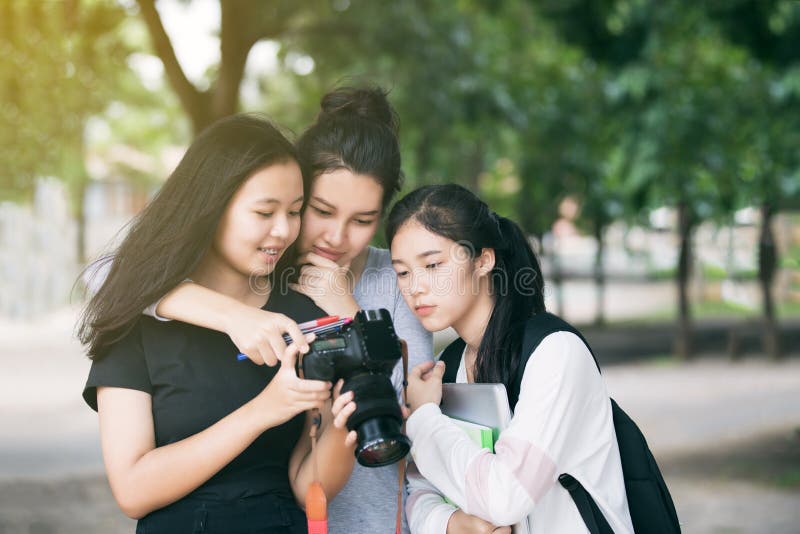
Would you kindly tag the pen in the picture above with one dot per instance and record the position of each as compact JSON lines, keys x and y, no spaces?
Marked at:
{"x":323,"y":325}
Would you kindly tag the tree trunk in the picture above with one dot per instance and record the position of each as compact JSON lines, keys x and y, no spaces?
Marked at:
{"x":683,"y":341}
{"x":767,"y":265}
{"x":599,"y":275}
{"x":197,"y":104}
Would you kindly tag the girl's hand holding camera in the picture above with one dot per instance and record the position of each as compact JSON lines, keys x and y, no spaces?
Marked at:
{"x":425,"y":384}
{"x":288,"y":395}
{"x":343,"y":407}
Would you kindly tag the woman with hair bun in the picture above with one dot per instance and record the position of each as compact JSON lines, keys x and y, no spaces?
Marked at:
{"x":350,"y":158}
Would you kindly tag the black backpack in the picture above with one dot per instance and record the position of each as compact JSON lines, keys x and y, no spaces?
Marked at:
{"x":649,"y":501}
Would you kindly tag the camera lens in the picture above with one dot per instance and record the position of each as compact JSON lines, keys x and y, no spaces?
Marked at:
{"x":380,"y":442}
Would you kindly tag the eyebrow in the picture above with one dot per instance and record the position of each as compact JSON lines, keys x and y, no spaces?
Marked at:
{"x":423,"y":255}
{"x":428,"y":253}
{"x":323,"y":201}
{"x":276,"y":201}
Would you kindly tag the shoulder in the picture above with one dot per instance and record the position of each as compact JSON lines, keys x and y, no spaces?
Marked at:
{"x":122,"y":365}
{"x":379,"y":261}
{"x":565,"y":355}
{"x":377,"y":286}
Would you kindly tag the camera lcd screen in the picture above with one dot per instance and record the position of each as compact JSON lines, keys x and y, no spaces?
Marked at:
{"x":329,"y":344}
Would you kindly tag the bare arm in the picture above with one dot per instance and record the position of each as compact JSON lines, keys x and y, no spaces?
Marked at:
{"x":144,"y":477}
{"x":335,"y":452}
{"x":255,"y":332}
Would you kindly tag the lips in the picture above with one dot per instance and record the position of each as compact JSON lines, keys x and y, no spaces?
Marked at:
{"x":270,"y":254}
{"x":327,"y":253}
{"x":424,"y":310}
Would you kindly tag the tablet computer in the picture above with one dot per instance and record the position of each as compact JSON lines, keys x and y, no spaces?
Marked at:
{"x":484,"y":404}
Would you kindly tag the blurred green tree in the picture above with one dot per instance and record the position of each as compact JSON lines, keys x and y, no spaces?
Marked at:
{"x":62,"y":63}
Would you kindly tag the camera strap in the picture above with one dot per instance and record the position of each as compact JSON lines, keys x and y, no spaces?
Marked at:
{"x":401,"y":465}
{"x":316,"y":501}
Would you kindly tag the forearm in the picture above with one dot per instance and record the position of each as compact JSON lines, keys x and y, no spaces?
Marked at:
{"x":482,"y":484}
{"x":198,"y":305}
{"x":426,"y":509}
{"x":334,"y":460}
{"x":165,"y":474}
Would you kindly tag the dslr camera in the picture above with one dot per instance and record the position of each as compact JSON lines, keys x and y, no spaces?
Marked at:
{"x":364,"y":354}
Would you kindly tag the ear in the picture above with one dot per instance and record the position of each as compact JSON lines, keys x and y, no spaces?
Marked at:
{"x":484,"y":263}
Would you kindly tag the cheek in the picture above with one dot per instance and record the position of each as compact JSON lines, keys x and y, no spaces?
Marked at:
{"x":311,"y":228}
{"x":294,"y":229}
{"x":230,"y":230}
{"x":362,"y":235}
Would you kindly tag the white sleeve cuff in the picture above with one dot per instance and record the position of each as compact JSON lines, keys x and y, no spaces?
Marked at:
{"x":439,"y":517}
{"x":150,"y":311}
{"x":422,"y":417}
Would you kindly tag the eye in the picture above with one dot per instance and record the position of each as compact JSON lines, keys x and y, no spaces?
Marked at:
{"x":364,"y":222}
{"x":433,"y":265}
{"x":266,"y":214}
{"x":402,"y":274}
{"x":295,"y":213}
{"x":321,"y":212}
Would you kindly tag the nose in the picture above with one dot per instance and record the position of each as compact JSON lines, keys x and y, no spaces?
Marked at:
{"x":336,"y":234}
{"x":419,"y":282}
{"x":280,"y":226}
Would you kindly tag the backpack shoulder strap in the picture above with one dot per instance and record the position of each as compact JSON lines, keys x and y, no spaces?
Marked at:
{"x":537,"y":328}
{"x":542,"y":325}
{"x":451,"y":356}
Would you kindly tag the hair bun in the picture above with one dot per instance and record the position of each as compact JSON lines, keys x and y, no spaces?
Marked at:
{"x":365,"y":102}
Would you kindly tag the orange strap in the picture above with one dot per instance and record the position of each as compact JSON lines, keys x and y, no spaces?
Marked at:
{"x":316,"y":501}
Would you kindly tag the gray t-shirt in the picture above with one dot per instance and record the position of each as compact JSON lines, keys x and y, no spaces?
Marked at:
{"x":368,"y":502}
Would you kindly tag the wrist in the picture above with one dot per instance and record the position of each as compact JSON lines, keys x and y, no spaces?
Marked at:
{"x":228,"y":315}
{"x":260,"y":413}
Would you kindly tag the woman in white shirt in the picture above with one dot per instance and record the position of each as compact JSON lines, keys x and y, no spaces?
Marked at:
{"x":459,"y":264}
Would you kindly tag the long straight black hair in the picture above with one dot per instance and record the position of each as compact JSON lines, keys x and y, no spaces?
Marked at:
{"x":167,"y":241}
{"x":517,"y":284}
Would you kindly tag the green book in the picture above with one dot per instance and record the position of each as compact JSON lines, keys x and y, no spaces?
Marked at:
{"x":481,"y":435}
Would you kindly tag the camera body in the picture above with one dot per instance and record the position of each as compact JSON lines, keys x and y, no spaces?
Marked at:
{"x":364,"y":354}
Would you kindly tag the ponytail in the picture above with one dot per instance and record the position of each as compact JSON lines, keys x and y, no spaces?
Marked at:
{"x":518,"y":288}
{"x":516,"y":281}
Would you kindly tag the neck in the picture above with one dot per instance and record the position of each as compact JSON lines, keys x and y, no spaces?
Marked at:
{"x":219,"y":276}
{"x":472,"y":325}
{"x":358,"y":264}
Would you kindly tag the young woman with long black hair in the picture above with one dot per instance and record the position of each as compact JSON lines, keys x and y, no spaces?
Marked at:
{"x":461,"y":265}
{"x":194,"y":440}
{"x":350,"y":159}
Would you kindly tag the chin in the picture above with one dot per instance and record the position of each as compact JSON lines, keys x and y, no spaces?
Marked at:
{"x":433,"y":324}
